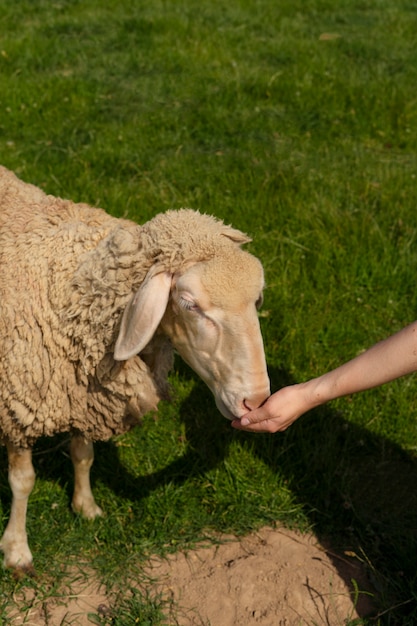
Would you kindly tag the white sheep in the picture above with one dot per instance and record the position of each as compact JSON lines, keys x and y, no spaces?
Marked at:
{"x":91,"y":308}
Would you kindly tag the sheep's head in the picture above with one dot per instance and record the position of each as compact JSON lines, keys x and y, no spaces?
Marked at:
{"x":213,"y":323}
{"x":209,"y":312}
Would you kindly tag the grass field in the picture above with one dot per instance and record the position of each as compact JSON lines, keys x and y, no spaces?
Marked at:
{"x":297,"y":122}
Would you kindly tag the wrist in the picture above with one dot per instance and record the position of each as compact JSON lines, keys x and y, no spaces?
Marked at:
{"x":315,"y":392}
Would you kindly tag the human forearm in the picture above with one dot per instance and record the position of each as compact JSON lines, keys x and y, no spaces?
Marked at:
{"x":385,"y":361}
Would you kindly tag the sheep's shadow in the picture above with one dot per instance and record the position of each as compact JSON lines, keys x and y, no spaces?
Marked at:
{"x":357,"y":489}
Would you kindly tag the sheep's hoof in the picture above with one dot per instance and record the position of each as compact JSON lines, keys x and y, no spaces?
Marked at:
{"x":89,"y":510}
{"x":21,"y":572}
{"x":17,"y":555}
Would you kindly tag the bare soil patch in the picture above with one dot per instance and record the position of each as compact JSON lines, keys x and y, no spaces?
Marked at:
{"x":274,"y":577}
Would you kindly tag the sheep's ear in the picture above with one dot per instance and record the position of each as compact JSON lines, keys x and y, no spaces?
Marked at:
{"x":142,"y":315}
{"x":235,"y":235}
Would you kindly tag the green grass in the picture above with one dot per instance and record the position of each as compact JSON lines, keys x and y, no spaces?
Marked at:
{"x":242,"y":109}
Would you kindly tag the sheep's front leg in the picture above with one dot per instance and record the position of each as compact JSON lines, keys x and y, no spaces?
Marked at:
{"x":14,"y":543}
{"x":82,"y":456}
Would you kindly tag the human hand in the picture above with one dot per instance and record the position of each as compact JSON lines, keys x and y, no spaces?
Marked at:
{"x":277,"y":413}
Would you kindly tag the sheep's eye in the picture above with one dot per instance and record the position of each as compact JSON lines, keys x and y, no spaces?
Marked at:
{"x":188,"y":305}
{"x":259,"y":302}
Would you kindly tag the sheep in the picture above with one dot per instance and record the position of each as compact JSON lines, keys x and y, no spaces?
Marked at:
{"x":92,"y":308}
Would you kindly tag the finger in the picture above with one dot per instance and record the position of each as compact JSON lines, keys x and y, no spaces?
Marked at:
{"x":253,"y":417}
{"x":265,"y":426}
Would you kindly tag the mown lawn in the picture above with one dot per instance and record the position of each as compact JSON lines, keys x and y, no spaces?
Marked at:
{"x":295,"y":121}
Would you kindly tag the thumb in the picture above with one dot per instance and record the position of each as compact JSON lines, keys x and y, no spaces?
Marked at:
{"x":255,"y":416}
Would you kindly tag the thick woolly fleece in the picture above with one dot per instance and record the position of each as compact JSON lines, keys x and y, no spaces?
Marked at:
{"x":67,"y":271}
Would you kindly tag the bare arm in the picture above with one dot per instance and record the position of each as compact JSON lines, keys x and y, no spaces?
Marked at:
{"x":383,"y":362}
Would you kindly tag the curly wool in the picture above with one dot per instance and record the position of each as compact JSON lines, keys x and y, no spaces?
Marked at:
{"x":67,"y":273}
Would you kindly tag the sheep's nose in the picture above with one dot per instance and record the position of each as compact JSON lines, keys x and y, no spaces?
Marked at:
{"x":254,"y":401}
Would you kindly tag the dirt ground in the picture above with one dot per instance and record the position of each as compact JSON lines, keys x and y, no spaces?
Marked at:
{"x":274,"y":577}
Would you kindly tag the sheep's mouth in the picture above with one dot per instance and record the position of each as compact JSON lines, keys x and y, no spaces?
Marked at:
{"x":224,"y":410}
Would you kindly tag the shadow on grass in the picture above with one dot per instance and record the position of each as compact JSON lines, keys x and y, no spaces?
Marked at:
{"x":359,"y":492}
{"x":357,"y":489}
